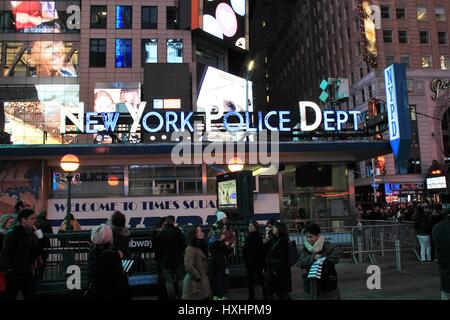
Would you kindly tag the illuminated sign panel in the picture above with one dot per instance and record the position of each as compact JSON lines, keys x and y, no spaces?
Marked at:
{"x":399,"y":117}
{"x":224,"y":19}
{"x":436,"y":183}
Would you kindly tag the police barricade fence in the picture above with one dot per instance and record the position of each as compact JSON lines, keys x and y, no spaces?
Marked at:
{"x":387,"y":240}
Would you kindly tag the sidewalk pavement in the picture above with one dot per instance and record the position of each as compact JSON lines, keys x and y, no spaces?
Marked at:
{"x":415,"y":282}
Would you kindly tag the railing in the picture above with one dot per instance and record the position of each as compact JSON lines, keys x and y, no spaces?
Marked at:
{"x":377,"y":240}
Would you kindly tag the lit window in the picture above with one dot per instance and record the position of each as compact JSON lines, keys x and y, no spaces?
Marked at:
{"x":445,"y":62}
{"x":440,"y":14}
{"x":123,"y":17}
{"x":149,"y":51}
{"x":426,"y":62}
{"x":98,"y":17}
{"x":422,"y":14}
{"x":124,"y":53}
{"x":175,"y":51}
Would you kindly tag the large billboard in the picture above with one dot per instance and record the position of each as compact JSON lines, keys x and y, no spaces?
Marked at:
{"x":368,"y":33}
{"x":224,"y":19}
{"x":38,"y":16}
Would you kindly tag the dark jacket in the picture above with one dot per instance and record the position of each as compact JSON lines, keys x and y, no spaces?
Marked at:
{"x":278,"y":267}
{"x":253,"y":251}
{"x":441,"y":241}
{"x":333,"y":254}
{"x":219,"y":252}
{"x":120,"y":238}
{"x":105,"y":274}
{"x":20,"y":250}
{"x":171,"y":245}
{"x":422,"y":225}
{"x":43,"y":224}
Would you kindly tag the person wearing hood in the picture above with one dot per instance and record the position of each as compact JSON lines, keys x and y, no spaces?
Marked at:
{"x":196,"y":284}
{"x":120,"y":234}
{"x":278,"y":269}
{"x":18,"y":258}
{"x":316,"y":248}
{"x":106,"y":278}
{"x":253,"y":255}
{"x":6,"y":222}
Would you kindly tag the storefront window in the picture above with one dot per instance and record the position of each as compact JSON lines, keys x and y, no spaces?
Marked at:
{"x":89,"y":182}
{"x":160,"y":180}
{"x":303,"y":202}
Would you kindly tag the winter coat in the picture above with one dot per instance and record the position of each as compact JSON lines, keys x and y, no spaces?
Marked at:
{"x":219,"y":252}
{"x":171,"y":244}
{"x":253,"y":251}
{"x":422,"y":225}
{"x":105,"y":274}
{"x":333,"y":254}
{"x":441,"y":242}
{"x":196,"y":282}
{"x":278,"y":268}
{"x":43,"y":224}
{"x":120,"y":238}
{"x":20,"y":250}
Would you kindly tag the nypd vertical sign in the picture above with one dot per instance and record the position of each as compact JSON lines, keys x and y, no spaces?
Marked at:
{"x":398,"y":111}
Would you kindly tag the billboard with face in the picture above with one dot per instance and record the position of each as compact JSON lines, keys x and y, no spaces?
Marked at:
{"x":368,"y":33}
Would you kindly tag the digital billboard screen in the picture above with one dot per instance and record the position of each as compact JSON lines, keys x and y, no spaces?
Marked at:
{"x":37,"y":16}
{"x":39,"y":59}
{"x":368,"y":33}
{"x":38,"y":121}
{"x":224,"y":19}
{"x":227,"y":194}
{"x":436,"y":183}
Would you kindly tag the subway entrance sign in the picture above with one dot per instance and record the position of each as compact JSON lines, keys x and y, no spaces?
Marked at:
{"x":399,"y":117}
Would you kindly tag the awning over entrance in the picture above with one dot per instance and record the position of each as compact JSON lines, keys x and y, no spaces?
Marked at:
{"x":308,"y":151}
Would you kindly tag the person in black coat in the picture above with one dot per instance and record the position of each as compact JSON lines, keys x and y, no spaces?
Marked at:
{"x":106,"y":277}
{"x":278,"y":268}
{"x":43,"y":224}
{"x":423,"y":233}
{"x":219,"y":252}
{"x":171,"y":244}
{"x":441,"y":241}
{"x":120,"y":234}
{"x":158,"y":257}
{"x":19,"y":256}
{"x":253,"y":255}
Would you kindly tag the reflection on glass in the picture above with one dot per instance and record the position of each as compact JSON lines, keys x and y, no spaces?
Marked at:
{"x":175,"y":51}
{"x":123,"y":53}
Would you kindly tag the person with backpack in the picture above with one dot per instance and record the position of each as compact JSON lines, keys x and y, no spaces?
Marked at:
{"x":319,"y":252}
{"x":278,"y":279}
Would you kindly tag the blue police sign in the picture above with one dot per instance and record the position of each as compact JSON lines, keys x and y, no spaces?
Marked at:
{"x":398,"y":113}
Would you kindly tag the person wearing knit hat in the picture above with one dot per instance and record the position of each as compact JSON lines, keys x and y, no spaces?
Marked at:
{"x":220,"y":215}
{"x":106,"y":278}
{"x":101,"y":235}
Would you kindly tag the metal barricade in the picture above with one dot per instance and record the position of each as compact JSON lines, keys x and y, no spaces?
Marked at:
{"x":371,"y":241}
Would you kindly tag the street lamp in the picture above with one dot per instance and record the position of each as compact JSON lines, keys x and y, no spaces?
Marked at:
{"x":247,"y":77}
{"x":69,"y":163}
{"x":235,"y":164}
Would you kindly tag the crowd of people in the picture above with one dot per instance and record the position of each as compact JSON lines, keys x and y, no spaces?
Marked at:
{"x":195,"y":265}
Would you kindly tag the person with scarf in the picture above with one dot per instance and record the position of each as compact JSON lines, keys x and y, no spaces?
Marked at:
{"x":316,"y":248}
{"x":278,"y":279}
{"x":196,"y":281}
{"x":253,"y":255}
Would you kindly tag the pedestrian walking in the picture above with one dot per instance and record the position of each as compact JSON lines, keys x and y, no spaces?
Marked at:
{"x":278,"y":269}
{"x":106,"y":278}
{"x":253,"y":255}
{"x":19,"y":256}
{"x":196,"y":285}
{"x":316,"y":248}
{"x":441,"y":240}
